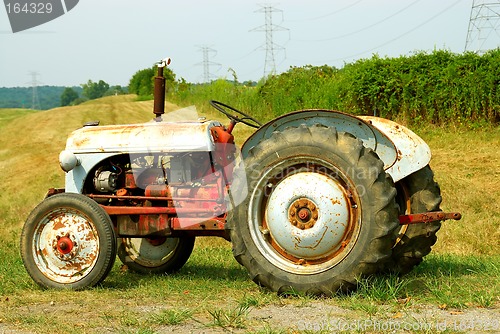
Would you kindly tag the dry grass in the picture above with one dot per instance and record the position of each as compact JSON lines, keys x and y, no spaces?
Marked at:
{"x":467,"y":167}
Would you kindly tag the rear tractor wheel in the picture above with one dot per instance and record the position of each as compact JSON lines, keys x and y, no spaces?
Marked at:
{"x":320,"y":212}
{"x":417,"y":193}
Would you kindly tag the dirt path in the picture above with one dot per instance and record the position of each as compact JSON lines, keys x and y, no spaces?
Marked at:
{"x":322,"y":318}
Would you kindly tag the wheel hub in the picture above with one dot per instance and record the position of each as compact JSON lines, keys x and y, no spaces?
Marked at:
{"x":303,"y":213}
{"x":65,"y":246}
{"x":308,"y":216}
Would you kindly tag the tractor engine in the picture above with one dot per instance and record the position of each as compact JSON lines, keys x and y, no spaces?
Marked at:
{"x":152,"y":195}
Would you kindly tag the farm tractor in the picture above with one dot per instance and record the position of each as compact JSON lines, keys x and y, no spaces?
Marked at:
{"x":313,"y":200}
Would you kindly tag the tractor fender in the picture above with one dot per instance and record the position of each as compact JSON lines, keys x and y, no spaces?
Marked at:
{"x":401,"y":150}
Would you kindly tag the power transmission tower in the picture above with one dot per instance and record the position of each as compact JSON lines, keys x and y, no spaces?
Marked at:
{"x":269,"y":28}
{"x":484,"y":26}
{"x":35,"y":102}
{"x":207,"y":51}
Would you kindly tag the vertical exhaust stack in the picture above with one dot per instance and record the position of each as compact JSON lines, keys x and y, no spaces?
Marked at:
{"x":159,"y":92}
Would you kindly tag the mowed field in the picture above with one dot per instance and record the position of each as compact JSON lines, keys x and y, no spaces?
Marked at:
{"x":457,"y":285}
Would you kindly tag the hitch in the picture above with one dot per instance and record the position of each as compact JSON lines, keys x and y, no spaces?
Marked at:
{"x":428,"y":217}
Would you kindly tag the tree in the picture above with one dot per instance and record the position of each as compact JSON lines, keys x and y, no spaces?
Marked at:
{"x":68,"y":96}
{"x":94,"y":90}
{"x":142,"y":82}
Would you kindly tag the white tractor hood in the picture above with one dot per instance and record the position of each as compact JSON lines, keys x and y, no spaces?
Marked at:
{"x":145,"y":137}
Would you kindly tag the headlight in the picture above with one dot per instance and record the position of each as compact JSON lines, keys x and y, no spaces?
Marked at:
{"x":68,"y":160}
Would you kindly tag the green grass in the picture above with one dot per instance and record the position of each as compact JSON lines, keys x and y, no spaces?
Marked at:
{"x":212,"y":292}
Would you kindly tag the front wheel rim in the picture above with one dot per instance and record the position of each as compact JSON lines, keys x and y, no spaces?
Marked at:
{"x":65,"y":245}
{"x":304,"y":215}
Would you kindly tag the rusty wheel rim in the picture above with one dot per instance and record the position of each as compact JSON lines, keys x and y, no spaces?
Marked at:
{"x":307,"y":219}
{"x":65,"y":245}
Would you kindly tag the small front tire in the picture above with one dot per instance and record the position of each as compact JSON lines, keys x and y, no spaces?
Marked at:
{"x":68,"y":242}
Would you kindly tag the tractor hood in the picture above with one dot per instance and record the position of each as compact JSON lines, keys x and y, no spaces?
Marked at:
{"x":146,"y":137}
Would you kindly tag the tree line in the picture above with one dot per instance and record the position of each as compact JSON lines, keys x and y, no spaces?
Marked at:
{"x":90,"y":91}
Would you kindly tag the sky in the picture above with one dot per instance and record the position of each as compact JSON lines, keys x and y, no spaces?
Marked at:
{"x":111,"y":40}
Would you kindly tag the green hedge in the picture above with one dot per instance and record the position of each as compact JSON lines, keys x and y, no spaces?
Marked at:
{"x":439,"y":87}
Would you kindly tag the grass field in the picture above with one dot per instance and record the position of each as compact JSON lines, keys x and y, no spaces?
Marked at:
{"x":212,"y":293}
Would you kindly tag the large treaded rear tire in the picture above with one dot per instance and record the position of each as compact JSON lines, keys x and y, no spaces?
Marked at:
{"x":417,"y":193}
{"x":329,"y":164}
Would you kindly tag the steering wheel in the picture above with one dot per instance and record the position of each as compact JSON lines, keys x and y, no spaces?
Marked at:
{"x":245,"y":119}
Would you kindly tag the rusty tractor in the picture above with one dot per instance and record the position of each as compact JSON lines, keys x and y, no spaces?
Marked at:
{"x":314,"y":200}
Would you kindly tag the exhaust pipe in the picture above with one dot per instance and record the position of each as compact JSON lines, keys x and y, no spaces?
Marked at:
{"x":159,"y":90}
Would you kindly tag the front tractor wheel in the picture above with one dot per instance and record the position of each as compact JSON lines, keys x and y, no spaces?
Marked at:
{"x":320,"y":212}
{"x":68,"y":242}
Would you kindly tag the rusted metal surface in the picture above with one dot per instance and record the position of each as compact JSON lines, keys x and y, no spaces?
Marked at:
{"x":303,"y":213}
{"x":149,"y":198}
{"x":192,"y":224}
{"x":158,"y":190}
{"x":66,"y":245}
{"x":145,"y":225}
{"x":428,"y":217}
{"x":412,"y":152}
{"x":155,"y":210}
{"x":165,"y":225}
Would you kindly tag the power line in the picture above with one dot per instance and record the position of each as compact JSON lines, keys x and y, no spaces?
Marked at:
{"x":269,"y":28}
{"x":364,"y":28}
{"x":402,"y":35}
{"x":484,"y":25}
{"x":35,"y":102}
{"x":207,"y":52}
{"x":329,"y":14}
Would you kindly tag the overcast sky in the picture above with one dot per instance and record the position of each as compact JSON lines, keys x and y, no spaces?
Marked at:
{"x":112,"y":39}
